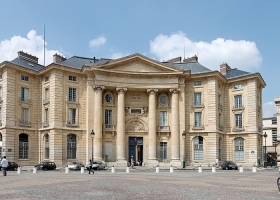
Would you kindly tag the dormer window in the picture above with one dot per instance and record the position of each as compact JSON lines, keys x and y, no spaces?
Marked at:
{"x":72,"y":78}
{"x":24,"y":78}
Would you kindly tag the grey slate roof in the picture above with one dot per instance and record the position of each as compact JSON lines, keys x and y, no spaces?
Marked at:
{"x":27,"y":64}
{"x":78,"y":62}
{"x":194,"y":67}
{"x":234,"y":73}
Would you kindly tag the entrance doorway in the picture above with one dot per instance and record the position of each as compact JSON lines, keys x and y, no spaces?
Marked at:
{"x":136,"y":150}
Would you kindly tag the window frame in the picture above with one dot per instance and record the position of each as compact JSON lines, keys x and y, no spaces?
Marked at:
{"x":198,"y":119}
{"x":71,"y":146}
{"x":239,"y":150}
{"x":198,"y":148}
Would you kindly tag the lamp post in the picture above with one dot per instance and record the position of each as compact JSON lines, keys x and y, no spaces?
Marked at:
{"x":92,"y":134}
{"x":265,"y":160}
{"x":184,"y":137}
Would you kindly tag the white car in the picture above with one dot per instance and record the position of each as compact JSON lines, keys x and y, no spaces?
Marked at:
{"x":97,"y":165}
{"x":75,"y":165}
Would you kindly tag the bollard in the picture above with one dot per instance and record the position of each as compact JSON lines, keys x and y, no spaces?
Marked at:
{"x":127,"y":169}
{"x":34,"y":170}
{"x":254,"y":169}
{"x":157,"y":169}
{"x":241,"y":169}
{"x":82,"y":170}
{"x":199,"y":169}
{"x":19,"y":170}
{"x":66,"y":170}
{"x":113,"y":169}
{"x":213,"y":169}
{"x":171,"y":169}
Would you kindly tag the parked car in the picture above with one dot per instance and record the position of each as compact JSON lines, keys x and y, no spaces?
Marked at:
{"x":229,"y":165}
{"x":75,"y":165}
{"x":97,"y":165}
{"x":11,"y":166}
{"x":46,"y":165}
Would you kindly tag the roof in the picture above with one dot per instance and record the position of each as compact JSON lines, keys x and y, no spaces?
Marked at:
{"x":78,"y":62}
{"x":234,"y":73}
{"x":194,"y":67}
{"x":27,"y":64}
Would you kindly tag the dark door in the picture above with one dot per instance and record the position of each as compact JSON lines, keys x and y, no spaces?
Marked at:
{"x":135,"y":149}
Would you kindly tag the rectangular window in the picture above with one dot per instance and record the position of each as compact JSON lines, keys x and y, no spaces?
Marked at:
{"x":163,"y":118}
{"x":46,"y":79}
{"x":237,"y":86}
{"x":274,"y":121}
{"x":24,"y":94}
{"x":24,"y":78}
{"x":108,"y":117}
{"x":72,"y":95}
{"x":219,"y":100}
{"x":0,"y":115}
{"x":46,"y":115}
{"x":238,"y":101}
{"x":25,"y":116}
{"x":72,"y":78}
{"x":72,"y":116}
{"x":220,"y":118}
{"x":239,"y":149}
{"x":197,"y":83}
{"x":1,"y":93}
{"x":46,"y":94}
{"x":163,"y":151}
{"x":198,"y":148}
{"x":197,"y":119}
{"x":274,"y":137}
{"x":47,"y":148}
{"x":23,"y":150}
{"x":197,"y":99}
{"x":71,"y":150}
{"x":238,"y":120}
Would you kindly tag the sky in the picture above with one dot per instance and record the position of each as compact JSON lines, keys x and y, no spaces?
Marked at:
{"x":244,"y":34}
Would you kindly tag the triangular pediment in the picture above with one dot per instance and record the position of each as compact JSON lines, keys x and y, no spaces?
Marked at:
{"x":137,"y":63}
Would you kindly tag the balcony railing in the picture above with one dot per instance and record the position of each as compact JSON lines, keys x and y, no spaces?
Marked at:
{"x":198,"y":127}
{"x":72,"y":100}
{"x":108,"y":126}
{"x":197,"y":105}
{"x":46,"y":101}
{"x":238,"y":128}
{"x":24,"y":100}
{"x":45,"y":123}
{"x":238,"y":108}
{"x":24,"y":122}
{"x":163,"y":128}
{"x":69,"y":123}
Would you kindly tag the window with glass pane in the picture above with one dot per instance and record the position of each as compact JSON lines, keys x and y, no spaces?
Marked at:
{"x":24,"y":94}
{"x":197,"y":119}
{"x":163,"y":118}
{"x":239,"y":149}
{"x":197,"y":83}
{"x":46,"y":94}
{"x":72,"y":116}
{"x":71,"y":146}
{"x":163,"y":151}
{"x":72,"y":78}
{"x":197,"y":99}
{"x":23,"y":146}
{"x":220,"y":149}
{"x":24,"y":115}
{"x":108,"y":117}
{"x":238,"y":120}
{"x":46,"y":115}
{"x":198,"y":148}
{"x":47,"y":147}
{"x":1,"y":96}
{"x":238,"y":101}
{"x":274,"y":137}
{"x":220,"y":117}
{"x":72,"y":94}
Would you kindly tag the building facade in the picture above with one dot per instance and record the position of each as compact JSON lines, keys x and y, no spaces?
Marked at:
{"x":161,"y":113}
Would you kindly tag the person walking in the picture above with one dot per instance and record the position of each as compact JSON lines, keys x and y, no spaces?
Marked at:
{"x":90,"y":167}
{"x":4,"y":164}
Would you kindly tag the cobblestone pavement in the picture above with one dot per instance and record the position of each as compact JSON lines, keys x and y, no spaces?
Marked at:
{"x":140,"y":185}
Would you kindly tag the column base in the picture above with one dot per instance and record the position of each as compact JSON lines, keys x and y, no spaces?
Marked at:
{"x":152,"y":163}
{"x":121,"y":163}
{"x":175,"y":163}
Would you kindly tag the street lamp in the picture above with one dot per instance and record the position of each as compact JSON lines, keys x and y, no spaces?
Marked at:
{"x":265,"y":160}
{"x":184,"y":135}
{"x":92,"y":134}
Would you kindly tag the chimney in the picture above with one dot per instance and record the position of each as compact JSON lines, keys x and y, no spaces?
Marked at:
{"x":191,"y":59}
{"x":175,"y":60}
{"x":224,"y":68}
{"x":58,"y":58}
{"x":28,"y":57}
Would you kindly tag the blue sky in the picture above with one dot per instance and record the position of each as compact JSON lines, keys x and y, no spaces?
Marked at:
{"x":245,"y":34}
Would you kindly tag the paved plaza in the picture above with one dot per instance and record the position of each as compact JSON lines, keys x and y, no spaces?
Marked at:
{"x":140,"y":184}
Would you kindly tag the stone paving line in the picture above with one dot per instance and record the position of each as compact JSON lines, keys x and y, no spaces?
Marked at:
{"x":140,"y":185}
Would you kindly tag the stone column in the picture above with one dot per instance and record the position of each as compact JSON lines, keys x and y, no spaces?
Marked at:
{"x":152,"y":125}
{"x":121,"y":126}
{"x":97,"y":141}
{"x":175,"y":134}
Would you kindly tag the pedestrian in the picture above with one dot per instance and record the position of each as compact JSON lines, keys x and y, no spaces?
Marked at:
{"x":90,"y":167}
{"x":132,"y":162}
{"x":4,"y":164}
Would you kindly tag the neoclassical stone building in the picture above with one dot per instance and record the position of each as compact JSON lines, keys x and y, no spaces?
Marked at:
{"x":165,"y":113}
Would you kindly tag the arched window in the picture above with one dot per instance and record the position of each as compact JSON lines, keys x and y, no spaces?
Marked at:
{"x":23,"y":146}
{"x":47,"y":146}
{"x":239,"y":149}
{"x":198,"y":148}
{"x":71,"y":146}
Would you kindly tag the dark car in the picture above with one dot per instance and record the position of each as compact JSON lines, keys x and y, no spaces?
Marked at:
{"x":46,"y":165}
{"x":229,"y":165}
{"x":11,"y":166}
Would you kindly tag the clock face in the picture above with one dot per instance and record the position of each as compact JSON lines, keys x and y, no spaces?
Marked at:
{"x":108,"y":98}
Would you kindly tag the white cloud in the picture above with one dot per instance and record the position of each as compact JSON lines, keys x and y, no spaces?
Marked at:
{"x":269,"y":109}
{"x":33,"y":44}
{"x":117,"y":55}
{"x":240,"y":54}
{"x":97,"y":42}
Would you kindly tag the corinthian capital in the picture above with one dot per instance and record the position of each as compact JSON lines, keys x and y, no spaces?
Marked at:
{"x":119,"y":90}
{"x":174,"y":90}
{"x":152,"y":91}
